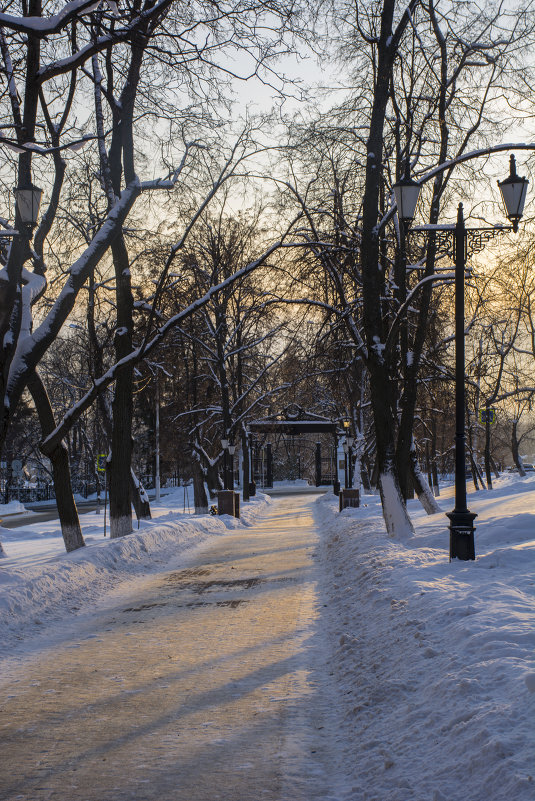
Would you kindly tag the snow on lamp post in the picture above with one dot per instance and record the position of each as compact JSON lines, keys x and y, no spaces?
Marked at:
{"x":464,"y":243}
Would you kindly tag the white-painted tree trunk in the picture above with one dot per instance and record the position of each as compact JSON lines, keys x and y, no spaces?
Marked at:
{"x":120,"y":526}
{"x":421,"y":485}
{"x":426,"y":497}
{"x":397,"y":520}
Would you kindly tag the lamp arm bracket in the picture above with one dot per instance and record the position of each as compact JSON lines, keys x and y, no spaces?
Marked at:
{"x":444,"y":237}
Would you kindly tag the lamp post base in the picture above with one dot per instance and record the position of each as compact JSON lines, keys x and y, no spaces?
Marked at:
{"x":462,"y":535}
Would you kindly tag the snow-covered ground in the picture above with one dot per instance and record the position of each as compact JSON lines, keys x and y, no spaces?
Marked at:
{"x":41,"y":584}
{"x":432,"y":660}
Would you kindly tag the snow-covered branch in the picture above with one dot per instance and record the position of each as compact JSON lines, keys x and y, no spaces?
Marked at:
{"x":34,"y":345}
{"x":45,"y":26}
{"x":146,"y":348}
{"x":410,"y":297}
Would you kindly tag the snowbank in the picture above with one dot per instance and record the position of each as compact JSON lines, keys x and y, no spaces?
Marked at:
{"x":434,"y":659}
{"x":41,"y":584}
{"x":11,"y":508}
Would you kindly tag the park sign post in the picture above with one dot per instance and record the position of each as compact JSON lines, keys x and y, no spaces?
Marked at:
{"x":487,"y":416}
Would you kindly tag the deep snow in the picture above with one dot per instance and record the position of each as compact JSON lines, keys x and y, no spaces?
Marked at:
{"x":432,"y":660}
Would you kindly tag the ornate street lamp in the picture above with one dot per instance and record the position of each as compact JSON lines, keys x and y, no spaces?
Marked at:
{"x":513,"y":191}
{"x":28,"y":200}
{"x":463,"y":242}
{"x":228,"y":451}
{"x":406,"y":193}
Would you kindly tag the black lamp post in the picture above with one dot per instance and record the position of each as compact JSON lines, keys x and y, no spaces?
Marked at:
{"x":350,"y":441}
{"x":231,"y":451}
{"x":336,"y":480}
{"x":228,"y":453}
{"x":348,"y":451}
{"x":346,"y":425}
{"x":224,"y":445}
{"x":465,"y":242}
{"x":346,"y":475}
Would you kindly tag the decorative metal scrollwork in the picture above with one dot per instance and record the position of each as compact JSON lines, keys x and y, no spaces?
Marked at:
{"x":443,"y":240}
{"x":475,"y":239}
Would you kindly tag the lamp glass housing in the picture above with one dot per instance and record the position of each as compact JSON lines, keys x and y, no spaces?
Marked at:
{"x":514,"y":189}
{"x":406,"y":192}
{"x":350,"y":441}
{"x":231,"y":449}
{"x":224,"y":444}
{"x":28,"y":200}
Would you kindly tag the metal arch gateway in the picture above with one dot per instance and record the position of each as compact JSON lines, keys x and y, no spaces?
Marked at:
{"x":293,"y":421}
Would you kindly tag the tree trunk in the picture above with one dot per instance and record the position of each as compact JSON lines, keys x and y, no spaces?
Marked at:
{"x":213,"y":479}
{"x":397,"y":520}
{"x":140,"y":499}
{"x":436,"y":487}
{"x":373,"y":285}
{"x":515,"y":449}
{"x":59,"y":458}
{"x":422,"y":488}
{"x":488,"y":469}
{"x":365,"y":476}
{"x":122,"y":408}
{"x":245,"y":464}
{"x":200,"y":497}
{"x":428,"y":464}
{"x":476,"y":478}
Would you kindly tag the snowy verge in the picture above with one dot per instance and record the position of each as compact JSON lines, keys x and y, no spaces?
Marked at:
{"x":434,"y":660}
{"x":39,"y":589}
{"x":11,"y":508}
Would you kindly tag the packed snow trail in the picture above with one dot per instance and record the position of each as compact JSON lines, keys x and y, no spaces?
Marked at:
{"x":197,"y":684}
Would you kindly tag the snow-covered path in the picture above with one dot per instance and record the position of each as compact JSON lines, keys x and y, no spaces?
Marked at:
{"x":194,"y":684}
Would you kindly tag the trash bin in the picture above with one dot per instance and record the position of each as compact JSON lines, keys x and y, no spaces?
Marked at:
{"x":349,"y":498}
{"x":228,"y":503}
